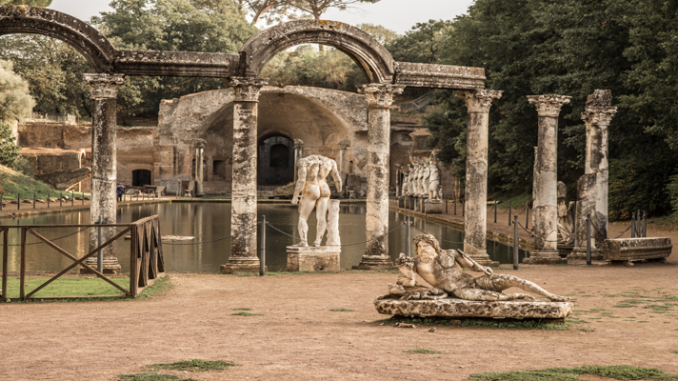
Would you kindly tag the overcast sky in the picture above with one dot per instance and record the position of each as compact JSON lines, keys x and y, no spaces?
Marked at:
{"x":397,"y":15}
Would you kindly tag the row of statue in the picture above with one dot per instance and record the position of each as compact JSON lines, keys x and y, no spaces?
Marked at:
{"x":422,"y":180}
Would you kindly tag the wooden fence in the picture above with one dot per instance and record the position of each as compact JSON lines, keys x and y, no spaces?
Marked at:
{"x":146,"y":257}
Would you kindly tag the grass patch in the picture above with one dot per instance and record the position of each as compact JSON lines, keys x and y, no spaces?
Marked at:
{"x":616,"y":372}
{"x":676,"y":352}
{"x":83,"y":287}
{"x":194,"y":365}
{"x":13,"y":183}
{"x":584,"y":329}
{"x":423,"y":351}
{"x":660,"y":309}
{"x":246,"y":314}
{"x":242,"y":309}
{"x":340,"y":310}
{"x":152,"y":377}
{"x":478,"y":323}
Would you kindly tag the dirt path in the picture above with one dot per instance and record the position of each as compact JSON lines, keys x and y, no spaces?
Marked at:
{"x":299,"y":338}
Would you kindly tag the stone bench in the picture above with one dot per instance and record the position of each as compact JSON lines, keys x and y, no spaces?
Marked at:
{"x":458,"y":308}
{"x":636,"y":249}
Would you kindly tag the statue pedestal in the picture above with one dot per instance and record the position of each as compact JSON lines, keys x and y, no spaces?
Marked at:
{"x":579,"y":254}
{"x":544,"y":258}
{"x":458,"y":308}
{"x":433,"y":206}
{"x":110,"y":266}
{"x":402,"y":201}
{"x":323,"y":258}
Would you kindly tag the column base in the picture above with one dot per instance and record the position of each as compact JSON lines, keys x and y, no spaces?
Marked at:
{"x":110,"y":266}
{"x":544,"y":258}
{"x":241,"y":265}
{"x":309,"y":258}
{"x":375,"y":262}
{"x":483,"y":259}
{"x":578,"y":255}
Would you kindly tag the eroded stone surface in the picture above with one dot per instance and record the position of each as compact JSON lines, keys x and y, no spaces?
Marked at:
{"x":459,"y":308}
{"x":323,"y":258}
{"x":635,"y":249}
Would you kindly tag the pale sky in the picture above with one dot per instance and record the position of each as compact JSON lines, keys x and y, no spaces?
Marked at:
{"x":397,"y":15}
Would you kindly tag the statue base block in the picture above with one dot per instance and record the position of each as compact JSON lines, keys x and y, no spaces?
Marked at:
{"x":323,"y":258}
{"x":458,"y":308}
{"x":544,"y":258}
{"x":433,"y":206}
{"x":111,"y":266}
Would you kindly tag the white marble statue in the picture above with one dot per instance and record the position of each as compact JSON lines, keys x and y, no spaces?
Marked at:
{"x":425,"y":176}
{"x":312,"y":172}
{"x":434,"y":181}
{"x":405,"y":184}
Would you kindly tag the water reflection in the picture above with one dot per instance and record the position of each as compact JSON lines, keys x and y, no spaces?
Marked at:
{"x":211,"y":221}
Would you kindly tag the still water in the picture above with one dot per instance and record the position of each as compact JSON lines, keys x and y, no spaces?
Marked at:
{"x":211,"y":221}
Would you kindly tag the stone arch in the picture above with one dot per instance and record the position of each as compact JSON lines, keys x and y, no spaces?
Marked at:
{"x":375,"y":61}
{"x":81,"y":36}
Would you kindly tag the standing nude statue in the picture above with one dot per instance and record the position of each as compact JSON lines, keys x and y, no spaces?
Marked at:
{"x":434,"y":181}
{"x":312,"y":173}
{"x":425,"y":175}
{"x":442,"y":269}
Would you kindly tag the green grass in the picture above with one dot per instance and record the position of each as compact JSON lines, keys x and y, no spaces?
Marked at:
{"x":246,"y":314}
{"x":520,"y":324}
{"x":152,"y":377}
{"x":242,"y":309}
{"x":13,"y":183}
{"x":674,"y":352}
{"x":341,"y":310}
{"x":194,"y":365}
{"x":517,"y":202}
{"x":615,"y":372}
{"x":422,"y":351}
{"x":83,"y":287}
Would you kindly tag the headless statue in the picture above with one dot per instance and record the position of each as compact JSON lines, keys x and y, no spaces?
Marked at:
{"x":434,"y":181}
{"x":442,"y":269}
{"x":312,"y":172}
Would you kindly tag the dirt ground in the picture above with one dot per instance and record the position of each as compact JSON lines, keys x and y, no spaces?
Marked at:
{"x":297,"y":337}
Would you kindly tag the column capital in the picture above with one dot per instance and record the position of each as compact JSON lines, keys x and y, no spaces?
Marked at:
{"x":599,"y":110}
{"x":344,"y":144}
{"x":380,"y":95}
{"x":199,"y":143}
{"x":298,"y":143}
{"x":478,"y":100}
{"x":104,"y":86}
{"x":549,"y":105}
{"x":246,"y":89}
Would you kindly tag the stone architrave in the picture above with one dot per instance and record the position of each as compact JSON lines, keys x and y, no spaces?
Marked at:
{"x":298,"y":150}
{"x":244,"y":185}
{"x":199,"y":170}
{"x":597,"y":116}
{"x":478,"y":103}
{"x":104,"y":92}
{"x":545,"y":189}
{"x":379,"y":99}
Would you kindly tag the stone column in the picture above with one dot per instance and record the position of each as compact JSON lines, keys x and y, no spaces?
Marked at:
{"x":199,"y":170}
{"x":379,"y":99}
{"x":343,"y":157}
{"x":104,"y":91}
{"x":478,"y":103}
{"x":298,"y":151}
{"x":586,"y":204}
{"x":597,"y":116}
{"x":545,"y":184}
{"x":244,"y":176}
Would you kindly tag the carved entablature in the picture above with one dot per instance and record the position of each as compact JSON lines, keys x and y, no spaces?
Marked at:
{"x":185,"y":64}
{"x":380,"y":95}
{"x":439,"y":76}
{"x":549,"y":105}
{"x":104,"y":86}
{"x":479,"y":100}
{"x":246,"y":89}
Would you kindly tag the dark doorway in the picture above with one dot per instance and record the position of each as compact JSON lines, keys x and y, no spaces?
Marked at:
{"x":276,"y":161}
{"x":141,"y":177}
{"x":219,"y":170}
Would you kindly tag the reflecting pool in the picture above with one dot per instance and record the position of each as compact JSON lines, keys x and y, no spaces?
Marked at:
{"x":212,"y":221}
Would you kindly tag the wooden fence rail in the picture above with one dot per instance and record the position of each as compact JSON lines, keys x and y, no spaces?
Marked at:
{"x":146,"y":257}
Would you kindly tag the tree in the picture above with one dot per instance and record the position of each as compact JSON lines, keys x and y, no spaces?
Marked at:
{"x":35,"y":3}
{"x":270,"y":10}
{"x":9,"y":151}
{"x":316,"y":8}
{"x":15,"y":101}
{"x":380,"y":33}
{"x":422,"y":43}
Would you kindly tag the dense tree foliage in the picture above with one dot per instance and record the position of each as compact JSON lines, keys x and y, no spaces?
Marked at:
{"x":15,"y":100}
{"x":570,"y":47}
{"x":35,"y":3}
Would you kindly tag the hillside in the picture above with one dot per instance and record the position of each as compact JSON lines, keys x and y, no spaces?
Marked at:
{"x":13,"y":183}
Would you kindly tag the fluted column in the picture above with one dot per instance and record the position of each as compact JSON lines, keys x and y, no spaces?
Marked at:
{"x":478,"y":103}
{"x":244,"y":184}
{"x":199,"y":170}
{"x":597,"y":117}
{"x":545,"y":184}
{"x":379,"y":99}
{"x":104,"y":91}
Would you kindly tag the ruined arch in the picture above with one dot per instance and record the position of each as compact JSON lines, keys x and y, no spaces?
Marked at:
{"x":375,"y":61}
{"x":81,"y":36}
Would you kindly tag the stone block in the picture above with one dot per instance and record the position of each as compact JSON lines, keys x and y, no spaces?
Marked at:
{"x":544,"y":258}
{"x":323,"y":258}
{"x":433,"y":206}
{"x":458,"y":308}
{"x":636,"y":249}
